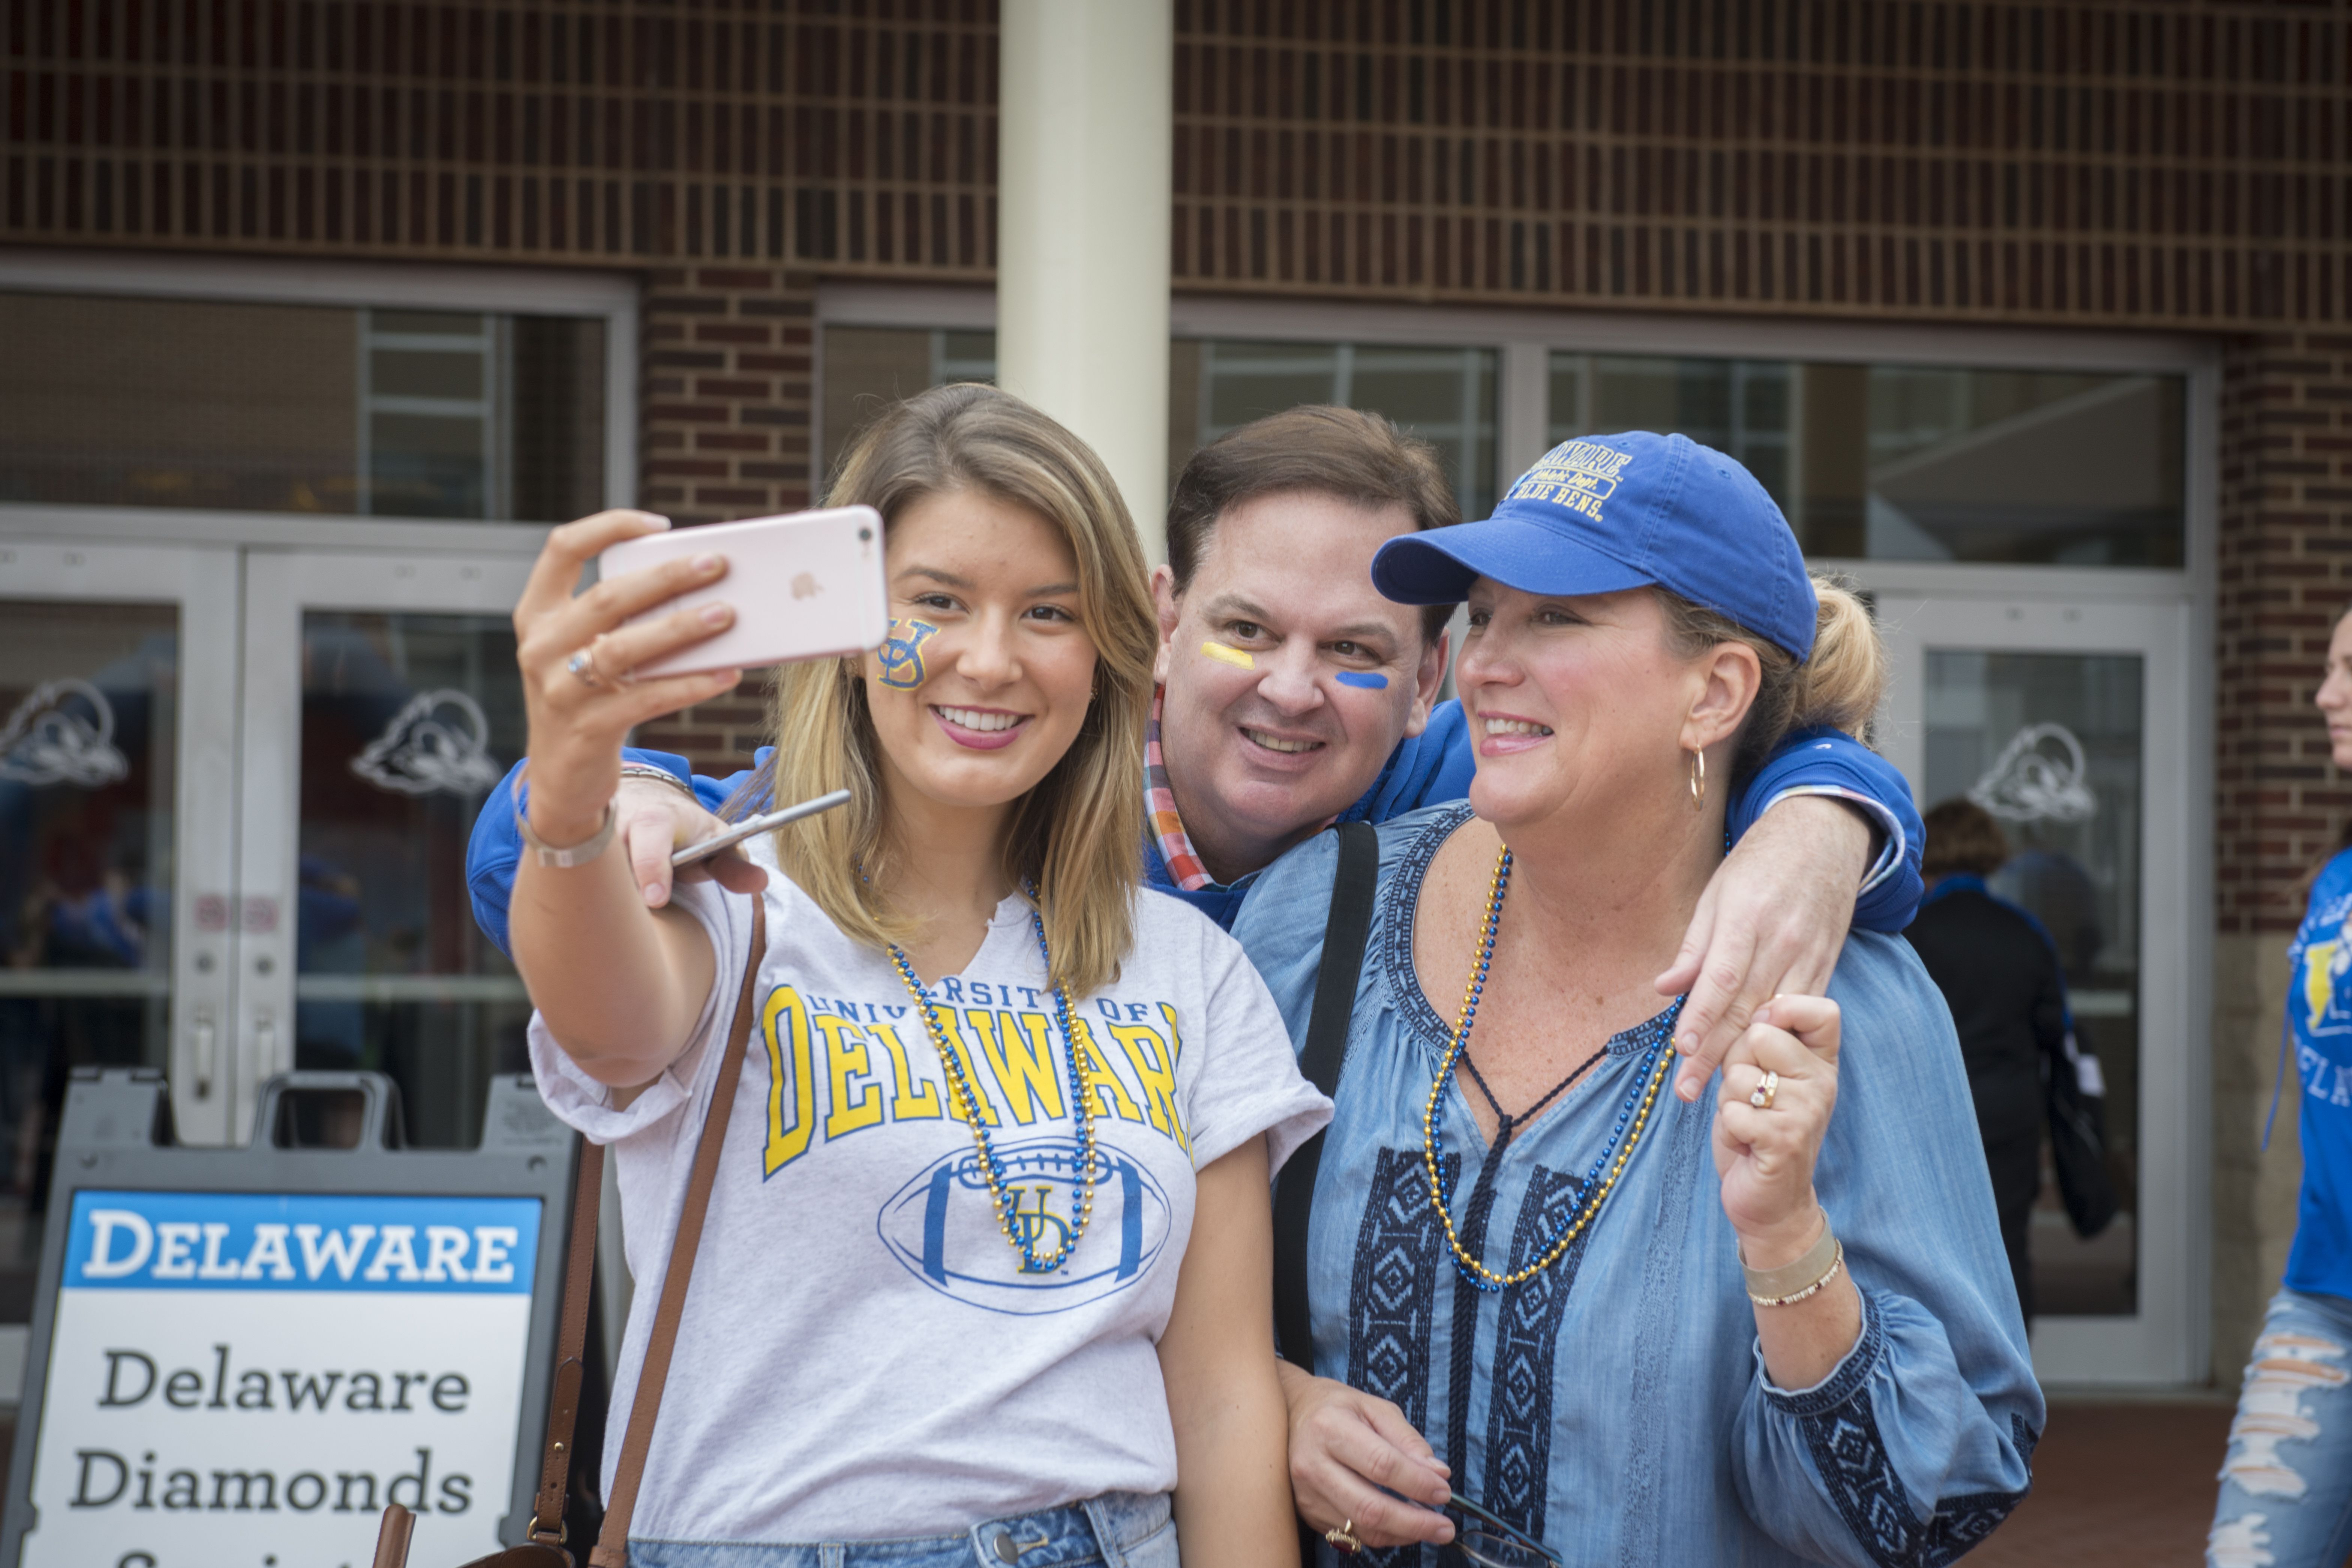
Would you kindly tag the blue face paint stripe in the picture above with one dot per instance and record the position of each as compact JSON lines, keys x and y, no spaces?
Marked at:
{"x":1371,"y":680}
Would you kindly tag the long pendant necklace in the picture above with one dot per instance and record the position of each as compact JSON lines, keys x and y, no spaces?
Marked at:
{"x":965,"y":1102}
{"x":1632,"y":1118}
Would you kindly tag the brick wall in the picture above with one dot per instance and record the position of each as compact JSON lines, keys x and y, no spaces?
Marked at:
{"x":724,"y":434}
{"x":2137,"y":163}
{"x":717,"y":738}
{"x":2285,"y":569}
{"x":726,"y":394}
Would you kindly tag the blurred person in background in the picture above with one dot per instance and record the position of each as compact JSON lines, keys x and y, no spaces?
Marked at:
{"x":1998,"y":969}
{"x":2286,"y":1478}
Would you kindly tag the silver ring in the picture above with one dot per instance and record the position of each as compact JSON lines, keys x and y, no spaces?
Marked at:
{"x":1761,"y":1096}
{"x":583,"y":664}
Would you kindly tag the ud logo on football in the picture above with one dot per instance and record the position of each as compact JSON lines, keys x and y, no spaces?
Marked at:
{"x":937,"y":1226}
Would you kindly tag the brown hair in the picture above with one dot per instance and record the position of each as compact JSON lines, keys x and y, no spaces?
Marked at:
{"x":1840,"y":685}
{"x":1078,"y":833}
{"x":1963,"y":837}
{"x":1316,"y":447}
{"x":2344,"y":840}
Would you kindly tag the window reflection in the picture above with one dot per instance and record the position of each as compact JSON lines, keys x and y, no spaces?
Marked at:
{"x":2053,"y":746}
{"x":1445,"y":395}
{"x":867,"y":369}
{"x":88,"y":728}
{"x":254,"y":407}
{"x":1920,"y":463}
{"x":408,"y":722}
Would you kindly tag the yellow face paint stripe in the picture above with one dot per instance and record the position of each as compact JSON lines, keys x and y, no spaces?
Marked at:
{"x":1232,"y":656}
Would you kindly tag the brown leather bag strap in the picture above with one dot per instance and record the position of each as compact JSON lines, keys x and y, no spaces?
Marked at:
{"x":611,"y":1549}
{"x":570,"y":1343}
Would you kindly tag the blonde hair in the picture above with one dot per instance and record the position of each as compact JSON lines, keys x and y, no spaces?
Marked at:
{"x":1839,"y":686}
{"x":1077,"y":835}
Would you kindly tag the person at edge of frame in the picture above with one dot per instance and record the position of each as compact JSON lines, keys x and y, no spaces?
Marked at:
{"x":1071,"y":1094}
{"x":1292,"y":696}
{"x":2286,"y":1477}
{"x":1618,"y":1327}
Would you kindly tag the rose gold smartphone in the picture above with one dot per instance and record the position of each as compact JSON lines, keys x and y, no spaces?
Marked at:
{"x":805,"y":587}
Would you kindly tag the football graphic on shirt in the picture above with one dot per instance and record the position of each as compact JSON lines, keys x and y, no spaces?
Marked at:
{"x":939,"y":1227}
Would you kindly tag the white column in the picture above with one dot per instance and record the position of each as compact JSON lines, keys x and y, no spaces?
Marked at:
{"x":1526,"y":410}
{"x":1083,"y":147}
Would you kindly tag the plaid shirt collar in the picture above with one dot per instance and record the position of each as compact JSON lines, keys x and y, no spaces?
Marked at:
{"x":1184,"y":868}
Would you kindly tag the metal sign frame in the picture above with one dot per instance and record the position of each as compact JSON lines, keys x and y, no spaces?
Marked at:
{"x":115,"y":1134}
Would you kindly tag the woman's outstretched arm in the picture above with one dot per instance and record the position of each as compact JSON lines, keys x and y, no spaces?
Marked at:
{"x":1233,"y":1485}
{"x":619,"y":985}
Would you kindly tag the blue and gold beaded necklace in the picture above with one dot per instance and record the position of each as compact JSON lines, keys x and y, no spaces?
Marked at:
{"x":964,"y":1100}
{"x":1632,"y":1118}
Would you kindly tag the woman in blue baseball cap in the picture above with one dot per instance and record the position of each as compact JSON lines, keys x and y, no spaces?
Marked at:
{"x":1576,"y":1318}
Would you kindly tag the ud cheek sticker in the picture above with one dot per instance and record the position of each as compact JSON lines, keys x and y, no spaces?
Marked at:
{"x":1370,"y":679}
{"x":902,"y":654}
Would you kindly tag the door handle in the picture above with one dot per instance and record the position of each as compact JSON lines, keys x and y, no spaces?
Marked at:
{"x":265,"y":1040}
{"x":203,"y":1045}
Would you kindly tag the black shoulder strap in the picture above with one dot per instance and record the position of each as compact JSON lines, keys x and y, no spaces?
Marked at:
{"x":1344,"y":935}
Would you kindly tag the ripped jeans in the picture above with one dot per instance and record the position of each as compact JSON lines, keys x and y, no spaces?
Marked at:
{"x":2286,"y":1481}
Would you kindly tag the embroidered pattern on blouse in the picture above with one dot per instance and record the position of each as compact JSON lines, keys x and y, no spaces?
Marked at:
{"x":1517,"y":1482}
{"x":1393,"y":1297}
{"x":1860,"y":1479}
{"x":1401,"y":892}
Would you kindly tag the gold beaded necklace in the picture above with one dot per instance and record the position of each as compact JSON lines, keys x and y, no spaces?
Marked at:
{"x":1632,"y":1118}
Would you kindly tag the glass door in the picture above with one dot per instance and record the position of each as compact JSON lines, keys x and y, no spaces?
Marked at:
{"x":381,"y":707}
{"x":117,"y":907}
{"x":2068,"y":723}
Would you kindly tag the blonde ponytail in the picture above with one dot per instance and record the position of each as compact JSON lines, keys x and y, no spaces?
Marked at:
{"x":1840,"y":686}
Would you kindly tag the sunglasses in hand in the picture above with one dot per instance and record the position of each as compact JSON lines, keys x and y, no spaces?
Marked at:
{"x":1485,"y":1541}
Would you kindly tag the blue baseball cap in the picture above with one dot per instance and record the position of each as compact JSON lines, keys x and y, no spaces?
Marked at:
{"x":1603,"y":513}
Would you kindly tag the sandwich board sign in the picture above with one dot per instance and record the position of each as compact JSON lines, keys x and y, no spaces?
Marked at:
{"x":241,"y":1355}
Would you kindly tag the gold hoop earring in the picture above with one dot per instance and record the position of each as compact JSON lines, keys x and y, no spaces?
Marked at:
{"x":1698,"y":780}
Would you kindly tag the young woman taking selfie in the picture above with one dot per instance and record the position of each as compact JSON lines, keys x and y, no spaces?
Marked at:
{"x":986,"y":1264}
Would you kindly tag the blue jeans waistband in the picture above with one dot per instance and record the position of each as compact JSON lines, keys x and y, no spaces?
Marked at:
{"x":1105,"y":1531}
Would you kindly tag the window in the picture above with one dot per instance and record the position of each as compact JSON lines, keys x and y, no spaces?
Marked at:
{"x":1445,"y":395}
{"x":111,"y":400}
{"x":1918,"y":463}
{"x":867,"y":369}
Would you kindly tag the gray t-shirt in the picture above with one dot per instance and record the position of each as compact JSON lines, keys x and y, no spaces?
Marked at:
{"x":860,"y":1356}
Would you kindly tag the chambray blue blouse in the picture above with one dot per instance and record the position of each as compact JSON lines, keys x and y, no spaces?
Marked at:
{"x":1616,"y":1407}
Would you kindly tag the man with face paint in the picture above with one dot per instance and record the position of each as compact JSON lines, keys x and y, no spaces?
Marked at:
{"x":1293,"y":695}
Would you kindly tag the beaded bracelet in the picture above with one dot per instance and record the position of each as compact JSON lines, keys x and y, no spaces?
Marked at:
{"x":1794,"y":1297}
{"x":1796,"y":1280}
